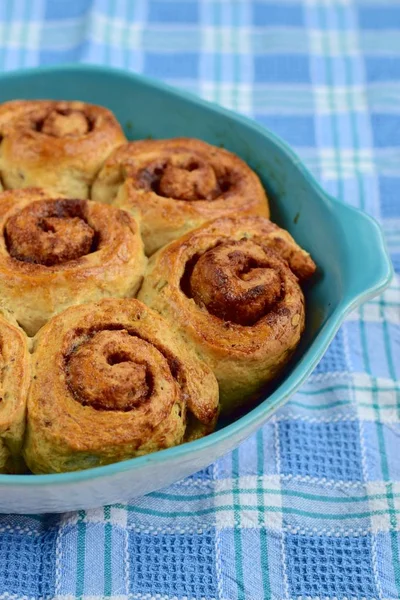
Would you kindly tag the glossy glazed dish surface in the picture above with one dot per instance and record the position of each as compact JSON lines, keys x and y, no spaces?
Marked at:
{"x":346,"y":244}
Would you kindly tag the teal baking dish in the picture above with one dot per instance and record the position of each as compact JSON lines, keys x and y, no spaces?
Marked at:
{"x":346,"y":244}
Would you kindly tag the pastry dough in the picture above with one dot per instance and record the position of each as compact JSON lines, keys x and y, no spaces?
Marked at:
{"x":57,"y":145}
{"x":231,"y":289}
{"x":112,"y":381}
{"x":176,"y":185}
{"x":58,"y":252}
{"x":15,"y":378}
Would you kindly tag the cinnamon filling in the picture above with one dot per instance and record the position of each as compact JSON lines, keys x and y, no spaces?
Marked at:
{"x":50,"y":232}
{"x":236,"y":281}
{"x":114,"y":368}
{"x":183,"y":178}
{"x":123,"y":379}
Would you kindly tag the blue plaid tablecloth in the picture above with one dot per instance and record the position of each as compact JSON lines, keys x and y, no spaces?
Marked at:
{"x":308,"y":508}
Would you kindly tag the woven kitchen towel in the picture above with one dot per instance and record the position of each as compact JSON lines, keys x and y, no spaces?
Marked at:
{"x":310,"y":506}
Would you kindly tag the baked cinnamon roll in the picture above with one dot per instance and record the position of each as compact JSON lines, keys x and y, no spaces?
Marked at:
{"x":231,"y":288}
{"x":112,"y":381}
{"x":58,"y":252}
{"x":176,"y":185}
{"x":15,"y":377}
{"x":57,"y":145}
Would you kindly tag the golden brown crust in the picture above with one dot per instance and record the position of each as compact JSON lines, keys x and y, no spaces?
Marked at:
{"x":229,"y":289}
{"x":111,"y":381}
{"x":178,"y":184}
{"x":55,"y":253}
{"x":15,"y":378}
{"x":57,"y":145}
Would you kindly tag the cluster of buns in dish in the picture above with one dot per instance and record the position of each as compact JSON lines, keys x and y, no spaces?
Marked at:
{"x":143,"y":289}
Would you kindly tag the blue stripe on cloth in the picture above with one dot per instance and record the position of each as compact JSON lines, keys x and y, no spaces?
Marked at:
{"x":54,"y":57}
{"x":298,"y":131}
{"x":28,"y":559}
{"x":282,"y":68}
{"x":382,"y":68}
{"x":314,"y":562}
{"x":175,"y":564}
{"x":386,"y":130}
{"x":287,"y":14}
{"x":322,"y":450}
{"x":180,"y":11}
{"x":382,"y":17}
{"x":174,"y":66}
{"x":389,"y":188}
{"x":335,"y":357}
{"x":65,"y":9}
{"x":396,"y":261}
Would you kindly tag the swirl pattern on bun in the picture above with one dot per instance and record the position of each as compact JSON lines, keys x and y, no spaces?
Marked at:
{"x":56,"y":252}
{"x":231,"y":288}
{"x":57,"y":145}
{"x":112,"y":381}
{"x":177,"y":185}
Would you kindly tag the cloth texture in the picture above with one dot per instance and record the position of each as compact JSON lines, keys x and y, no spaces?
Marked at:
{"x":309,"y":507}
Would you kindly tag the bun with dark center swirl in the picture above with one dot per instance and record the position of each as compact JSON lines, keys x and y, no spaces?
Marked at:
{"x":15,"y":377}
{"x":112,"y":381}
{"x":58,"y":252}
{"x":57,"y":145}
{"x":231,"y":288}
{"x":178,"y":184}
